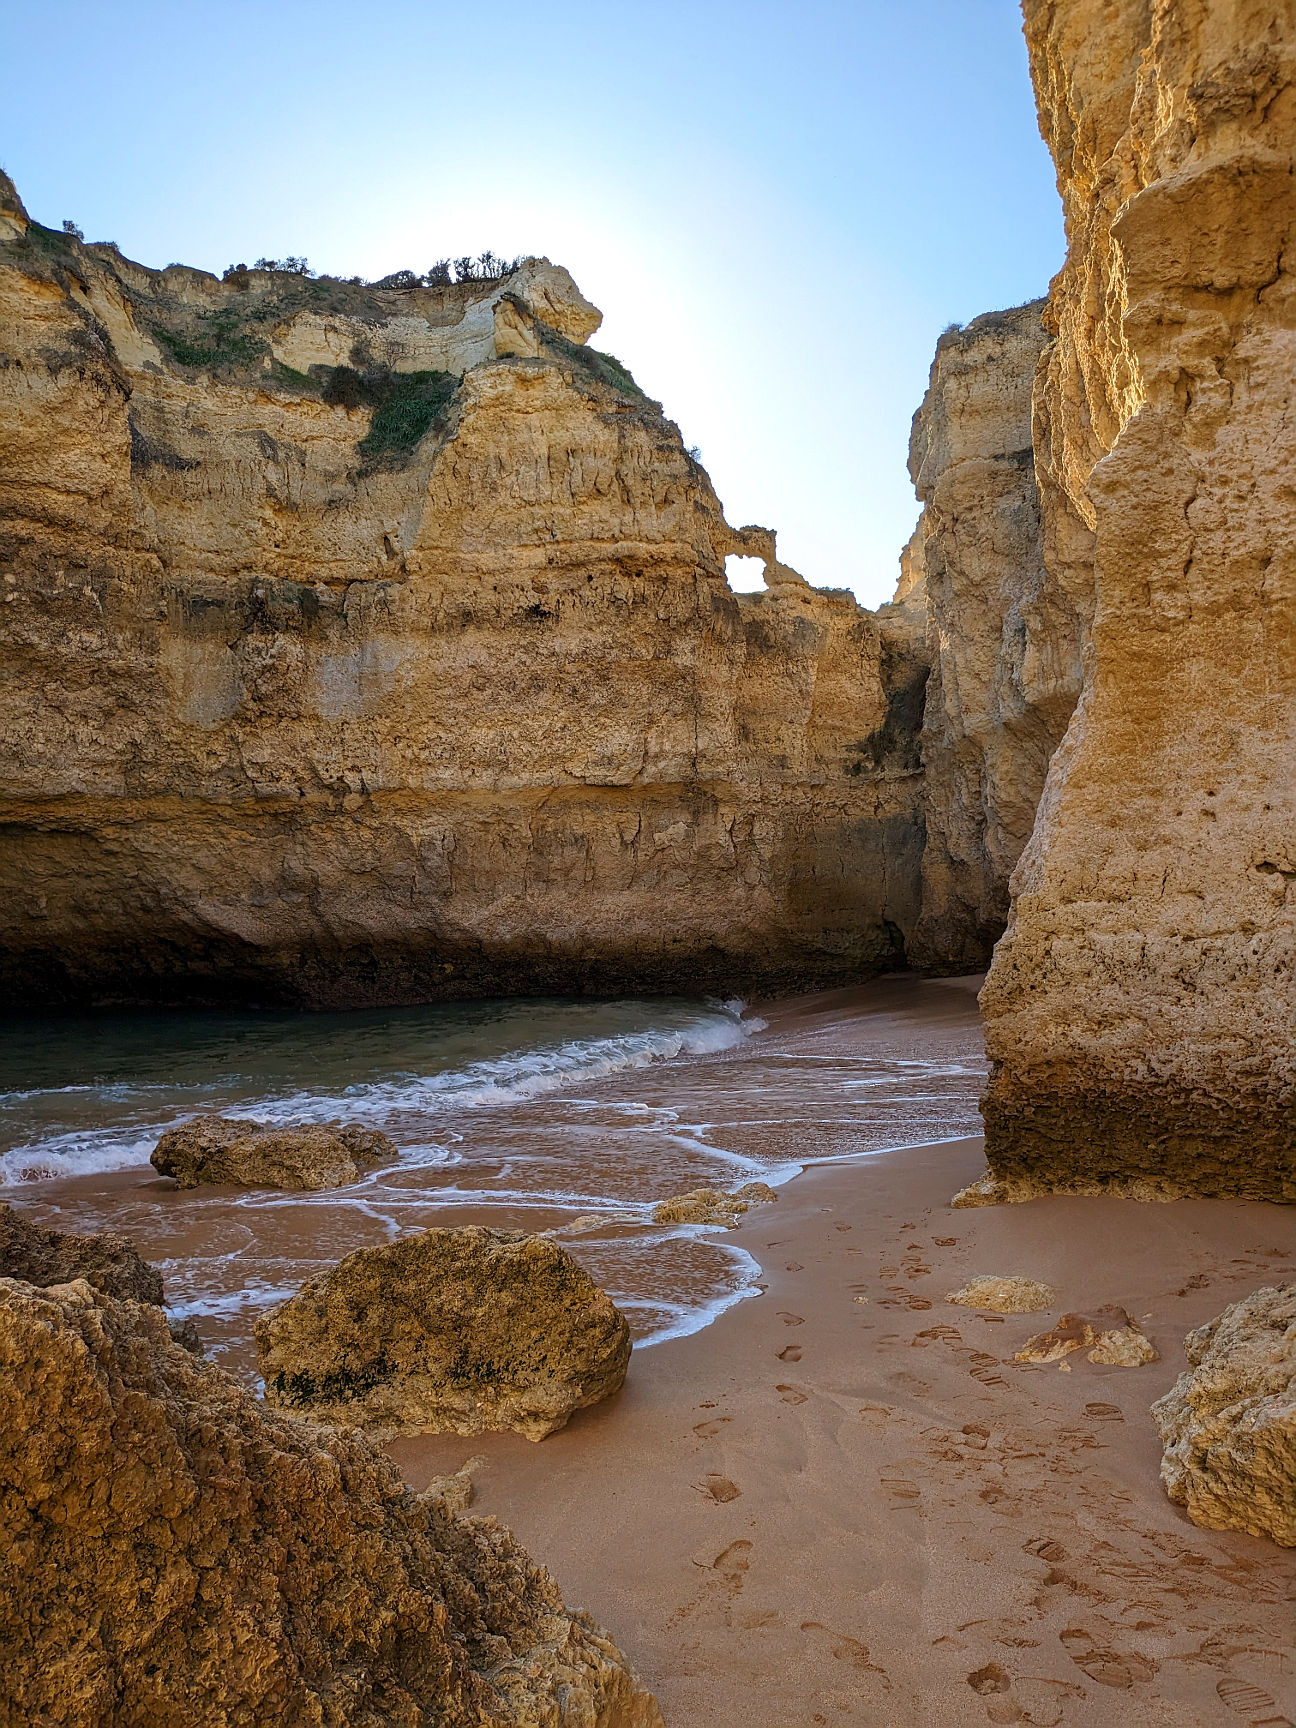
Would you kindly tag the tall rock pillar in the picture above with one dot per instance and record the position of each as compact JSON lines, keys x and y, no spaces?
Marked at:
{"x":1140,"y":1008}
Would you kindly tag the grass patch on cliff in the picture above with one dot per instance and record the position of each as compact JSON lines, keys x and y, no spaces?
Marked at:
{"x":407,"y":406}
{"x":215,"y":342}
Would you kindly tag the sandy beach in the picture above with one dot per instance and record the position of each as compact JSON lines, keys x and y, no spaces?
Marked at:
{"x":842,"y":1499}
{"x":823,"y":1509}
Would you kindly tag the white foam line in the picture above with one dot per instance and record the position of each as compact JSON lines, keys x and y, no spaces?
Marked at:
{"x":700,"y":1318}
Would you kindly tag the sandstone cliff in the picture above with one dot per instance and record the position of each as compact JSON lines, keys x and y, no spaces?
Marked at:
{"x":1140,"y":1007}
{"x":174,"y":1553}
{"x":370,"y":645}
{"x":1003,"y":639}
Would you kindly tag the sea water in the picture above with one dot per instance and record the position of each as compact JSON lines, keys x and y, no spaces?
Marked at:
{"x":572,"y":1116}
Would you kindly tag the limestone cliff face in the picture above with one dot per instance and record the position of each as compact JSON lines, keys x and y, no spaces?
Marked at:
{"x":1003,"y":638}
{"x":1140,"y":1007}
{"x":367,"y":645}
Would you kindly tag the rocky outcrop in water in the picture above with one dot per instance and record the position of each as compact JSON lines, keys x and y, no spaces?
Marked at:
{"x":713,"y":1205}
{"x":447,"y":1331}
{"x":1140,"y":1007}
{"x":245,"y":1154}
{"x":1228,"y":1425}
{"x":395,"y":659}
{"x":175,"y":1553}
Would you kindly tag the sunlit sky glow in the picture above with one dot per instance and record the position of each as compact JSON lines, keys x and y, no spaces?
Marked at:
{"x":777,"y":206}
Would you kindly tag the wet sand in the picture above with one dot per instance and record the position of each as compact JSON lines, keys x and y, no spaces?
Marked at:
{"x":822,"y":1510}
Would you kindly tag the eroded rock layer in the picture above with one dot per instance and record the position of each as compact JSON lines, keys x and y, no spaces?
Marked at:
{"x":1140,"y":1008}
{"x":370,"y":645}
{"x":1003,"y":638}
{"x":175,"y":1553}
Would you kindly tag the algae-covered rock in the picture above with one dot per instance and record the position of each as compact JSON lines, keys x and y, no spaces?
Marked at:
{"x":1004,"y":1295}
{"x":459,"y":1331}
{"x":176,"y":1554}
{"x":109,"y":1263}
{"x":1228,"y":1425}
{"x":224,"y":1149}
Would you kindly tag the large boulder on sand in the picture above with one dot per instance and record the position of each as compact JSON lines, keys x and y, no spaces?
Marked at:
{"x":1228,"y":1426}
{"x":456,"y":1331}
{"x":176,"y":1554}
{"x":109,"y":1263}
{"x":223,"y":1149}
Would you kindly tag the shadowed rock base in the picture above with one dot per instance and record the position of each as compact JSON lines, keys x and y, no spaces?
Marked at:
{"x":1139,"y":1143}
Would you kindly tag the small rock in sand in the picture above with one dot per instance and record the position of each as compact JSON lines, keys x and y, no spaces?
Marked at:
{"x":446,"y":1331}
{"x":224,"y":1149}
{"x":1072,"y":1332}
{"x":1004,"y":1295}
{"x":1228,"y":1426}
{"x":713,"y":1205}
{"x":1124,"y":1347}
{"x":1111,"y":1339}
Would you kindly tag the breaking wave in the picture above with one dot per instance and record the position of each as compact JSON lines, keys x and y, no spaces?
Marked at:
{"x":145,"y":1110}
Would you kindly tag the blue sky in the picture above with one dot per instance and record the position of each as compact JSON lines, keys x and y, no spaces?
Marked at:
{"x":778,"y":206}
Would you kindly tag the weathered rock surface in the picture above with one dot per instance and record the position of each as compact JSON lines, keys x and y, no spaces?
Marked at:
{"x":395,"y":659}
{"x":109,"y":1263}
{"x":713,"y":1205}
{"x":227,"y":1149}
{"x":1012,"y":1295}
{"x":1003,"y":639}
{"x":459,"y":1331}
{"x":1229,"y":1424}
{"x":174,"y":1553}
{"x":1140,"y":1007}
{"x":1110,"y":1337}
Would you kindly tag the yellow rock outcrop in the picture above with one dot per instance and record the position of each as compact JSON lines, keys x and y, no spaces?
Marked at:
{"x":176,"y":1553}
{"x":374,"y":645}
{"x":1003,"y":639}
{"x":1140,"y":1008}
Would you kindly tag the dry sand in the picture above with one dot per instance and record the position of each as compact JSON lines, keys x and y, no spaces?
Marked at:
{"x":823,"y":1510}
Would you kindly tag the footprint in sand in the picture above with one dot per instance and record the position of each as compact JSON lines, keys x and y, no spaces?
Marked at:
{"x":791,"y":1354}
{"x":986,"y":1369}
{"x":1107,"y":1667}
{"x":718,"y":1488}
{"x":790,"y":1319}
{"x":848,"y":1649}
{"x":988,"y":1680}
{"x":791,"y":1394}
{"x":1251,"y":1701}
{"x":945,"y":1334}
{"x":1044,"y":1548}
{"x":709,"y":1430}
{"x":1103,"y":1413}
{"x":945,"y":1241}
{"x":732,"y":1564}
{"x":900,"y":1494}
{"x":794,"y":1266}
